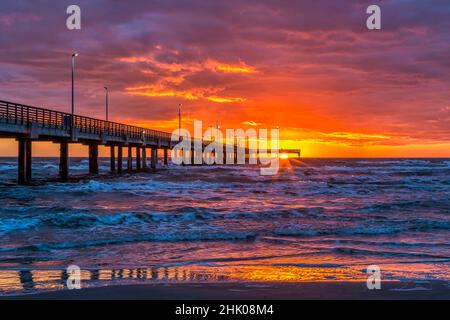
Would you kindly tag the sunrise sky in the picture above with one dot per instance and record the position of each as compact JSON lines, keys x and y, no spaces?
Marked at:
{"x":312,"y":68}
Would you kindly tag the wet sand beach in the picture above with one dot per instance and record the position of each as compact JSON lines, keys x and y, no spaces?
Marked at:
{"x":398,"y":290}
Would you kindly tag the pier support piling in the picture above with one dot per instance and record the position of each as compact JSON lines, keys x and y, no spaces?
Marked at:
{"x":138,"y":158}
{"x":154,"y":153}
{"x":119,"y":159}
{"x":28,"y":160}
{"x":64,"y":160}
{"x":166,"y":162}
{"x":130,"y":159}
{"x":24,"y":161}
{"x":93,"y":158}
{"x":144,"y":158}
{"x":112,"y":159}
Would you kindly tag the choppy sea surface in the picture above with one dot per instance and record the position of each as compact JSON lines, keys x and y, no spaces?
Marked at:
{"x":316,"y":220}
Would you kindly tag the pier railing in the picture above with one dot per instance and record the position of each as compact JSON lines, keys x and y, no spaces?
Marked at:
{"x":19,"y":114}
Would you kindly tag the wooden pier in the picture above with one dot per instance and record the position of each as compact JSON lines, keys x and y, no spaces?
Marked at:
{"x":27,"y":124}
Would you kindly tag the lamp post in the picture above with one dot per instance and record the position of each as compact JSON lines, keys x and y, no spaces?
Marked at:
{"x":106,"y":103}
{"x":73,"y":96}
{"x":179,"y":121}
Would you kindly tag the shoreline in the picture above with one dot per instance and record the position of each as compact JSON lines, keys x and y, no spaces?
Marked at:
{"x":326,"y":290}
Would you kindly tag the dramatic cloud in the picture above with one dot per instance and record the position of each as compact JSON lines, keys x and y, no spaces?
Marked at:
{"x":310,"y":67}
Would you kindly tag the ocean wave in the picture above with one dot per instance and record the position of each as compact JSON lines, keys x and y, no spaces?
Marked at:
{"x":4,"y":167}
{"x":372,"y":242}
{"x":401,"y":162}
{"x":150,"y":237}
{"x":400,"y":205}
{"x":358,"y":251}
{"x":132,"y":184}
{"x":299,"y":232}
{"x":50,"y":166}
{"x":353,"y":230}
{"x":371,"y":230}
{"x":418,"y":224}
{"x":9,"y":225}
{"x":68,"y":218}
{"x":425,"y":224}
{"x":70,"y":221}
{"x":310,"y":265}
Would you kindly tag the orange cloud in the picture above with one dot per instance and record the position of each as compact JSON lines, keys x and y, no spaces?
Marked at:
{"x":160,"y":91}
{"x":173,"y":76}
{"x":251,"y":123}
{"x":224,"y":100}
{"x":229,"y":68}
{"x":209,"y":64}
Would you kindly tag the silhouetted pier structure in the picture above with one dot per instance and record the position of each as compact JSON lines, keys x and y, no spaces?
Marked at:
{"x":27,"y":124}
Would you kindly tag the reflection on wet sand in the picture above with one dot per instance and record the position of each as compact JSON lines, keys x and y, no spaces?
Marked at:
{"x":13,"y":281}
{"x":27,"y":280}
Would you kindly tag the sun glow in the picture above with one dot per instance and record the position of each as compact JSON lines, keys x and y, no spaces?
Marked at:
{"x":284,"y":156}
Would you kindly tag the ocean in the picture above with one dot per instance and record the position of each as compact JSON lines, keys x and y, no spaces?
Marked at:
{"x":316,"y":220}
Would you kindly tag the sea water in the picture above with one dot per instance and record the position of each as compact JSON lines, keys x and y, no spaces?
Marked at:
{"x":316,"y":220}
